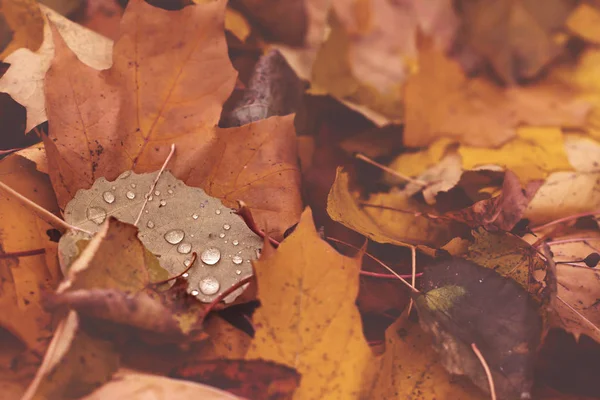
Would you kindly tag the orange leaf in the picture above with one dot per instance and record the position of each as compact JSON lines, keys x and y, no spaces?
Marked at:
{"x":170,"y":77}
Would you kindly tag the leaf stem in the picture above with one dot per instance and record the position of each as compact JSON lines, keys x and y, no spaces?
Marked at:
{"x":40,"y":211}
{"x":486,"y":368}
{"x":25,"y":253}
{"x":226,"y":293}
{"x":147,"y":196}
{"x":389,"y":170}
{"x":244,"y":212}
{"x":565,"y":219}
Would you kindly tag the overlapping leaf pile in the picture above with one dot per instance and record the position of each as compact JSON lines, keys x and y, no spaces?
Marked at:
{"x":482,"y":117}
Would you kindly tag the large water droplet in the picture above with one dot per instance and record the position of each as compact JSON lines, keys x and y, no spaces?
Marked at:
{"x":187,"y":263}
{"x":237,"y":260}
{"x":96,"y":214}
{"x":108,"y":197}
{"x":184,"y":248}
{"x":227,"y":227}
{"x":195,"y":216}
{"x":150,"y":224}
{"x":210,"y":256}
{"x":209,"y":285}
{"x":217,"y":212}
{"x":235,"y":242}
{"x":130,"y":195}
{"x":163,"y":203}
{"x":174,"y":236}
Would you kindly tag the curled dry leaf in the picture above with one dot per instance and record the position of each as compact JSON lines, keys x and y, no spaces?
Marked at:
{"x":249,"y":379}
{"x":410,"y":368}
{"x":308,"y":319}
{"x":456,"y":307}
{"x":441,"y":101}
{"x":175,"y":220}
{"x":74,"y":365}
{"x":500,"y":212}
{"x":138,"y":386}
{"x":156,"y":93}
{"x":98,"y":286}
{"x":34,"y":265}
{"x":24,"y":80}
{"x":400,"y":225}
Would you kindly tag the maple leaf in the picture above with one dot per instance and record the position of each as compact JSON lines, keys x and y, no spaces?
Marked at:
{"x":307,"y":319}
{"x":28,"y":263}
{"x":24,"y":80}
{"x":24,"y":22}
{"x":441,"y":101}
{"x":156,"y":93}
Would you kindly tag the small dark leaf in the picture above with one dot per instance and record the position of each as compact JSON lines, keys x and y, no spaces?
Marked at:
{"x":464,"y":303}
{"x":592,"y":260}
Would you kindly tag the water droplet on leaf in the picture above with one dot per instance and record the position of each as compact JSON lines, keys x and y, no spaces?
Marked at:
{"x":150,"y":224}
{"x":157,"y":193}
{"x":235,"y":242}
{"x":195,"y":216}
{"x":184,"y":248}
{"x":238,"y":272}
{"x":226,"y":227}
{"x":209,"y":285}
{"x":130,"y":195}
{"x":108,"y":197}
{"x":195,"y":293}
{"x":163,"y":203}
{"x":174,"y":236}
{"x":237,"y":260}
{"x":218,"y":212}
{"x":221,"y":235}
{"x":210,"y":256}
{"x":96,"y":214}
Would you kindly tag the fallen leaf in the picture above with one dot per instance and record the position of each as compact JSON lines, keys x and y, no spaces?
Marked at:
{"x":224,"y":340}
{"x":97,"y":286}
{"x":24,"y":81}
{"x":37,"y":155}
{"x":249,"y":379}
{"x":414,"y":164}
{"x":532,"y":155}
{"x":410,"y":369}
{"x":74,"y":365}
{"x":25,"y":21}
{"x":175,"y":220}
{"x":568,"y":193}
{"x":515,"y":37}
{"x":138,"y":386}
{"x":576,"y":308}
{"x":307,"y":319}
{"x":274,"y":89}
{"x":237,"y":24}
{"x":154,"y":95}
{"x":584,"y":22}
{"x":500,"y":212}
{"x":24,"y":275}
{"x":506,"y":328}
{"x":391,"y":217}
{"x":440,"y":101}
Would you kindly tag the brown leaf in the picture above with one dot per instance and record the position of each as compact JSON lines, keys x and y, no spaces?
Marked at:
{"x":156,"y":93}
{"x":441,"y":101}
{"x":307,"y":319}
{"x":251,"y":379}
{"x":24,"y":25}
{"x":500,"y":212}
{"x":515,"y":37}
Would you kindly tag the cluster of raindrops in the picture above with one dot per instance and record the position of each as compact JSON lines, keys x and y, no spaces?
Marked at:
{"x":174,"y":221}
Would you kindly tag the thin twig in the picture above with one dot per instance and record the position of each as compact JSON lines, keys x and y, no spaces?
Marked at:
{"x":384,"y":266}
{"x":25,"y":253}
{"x":572,"y":240}
{"x":40,"y":211}
{"x":488,"y":373}
{"x":179,"y":275}
{"x":565,"y":219}
{"x":413,"y":254}
{"x":147,"y":196}
{"x":244,"y":212}
{"x":226,"y":293}
{"x":390,"y":171}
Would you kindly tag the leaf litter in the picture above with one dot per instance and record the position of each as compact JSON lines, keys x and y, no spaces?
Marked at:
{"x":507,"y":148}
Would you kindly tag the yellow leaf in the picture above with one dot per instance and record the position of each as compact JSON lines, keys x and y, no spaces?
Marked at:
{"x":23,"y":231}
{"x":25,"y":19}
{"x":532,"y":155}
{"x":410,"y":369}
{"x":584,"y":21}
{"x":308,"y":319}
{"x":224,"y":341}
{"x":399,"y":226}
{"x":236,"y":24}
{"x":413,"y":164}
